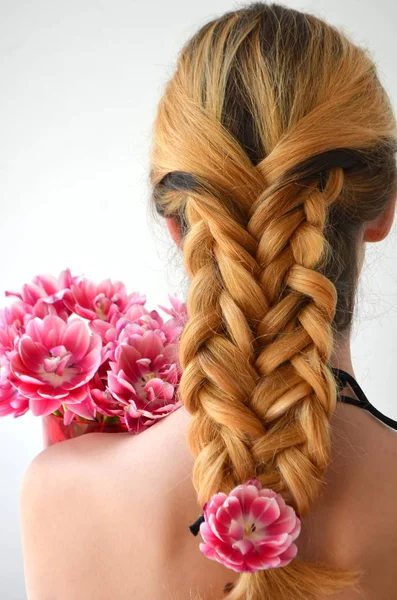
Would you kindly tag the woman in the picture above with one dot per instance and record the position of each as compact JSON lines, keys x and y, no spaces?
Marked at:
{"x":273,"y":163}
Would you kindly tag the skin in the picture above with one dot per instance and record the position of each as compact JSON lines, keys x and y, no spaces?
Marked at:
{"x":106,"y":516}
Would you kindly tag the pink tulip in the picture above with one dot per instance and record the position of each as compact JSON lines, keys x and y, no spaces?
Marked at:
{"x":86,"y":408}
{"x":102,"y":398}
{"x":249,"y":529}
{"x":13,"y":320}
{"x":15,"y":315}
{"x":174,"y":326}
{"x":110,"y":330}
{"x":11,"y":402}
{"x":135,"y":299}
{"x":143,"y":378}
{"x":53,"y":362}
{"x":98,"y":301}
{"x":135,"y":320}
{"x":44,"y":296}
{"x":43,"y":286}
{"x":8,"y":334}
{"x":169,"y":330}
{"x":178,"y":308}
{"x":148,"y":322}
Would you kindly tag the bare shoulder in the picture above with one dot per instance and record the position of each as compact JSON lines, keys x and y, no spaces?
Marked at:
{"x":101,"y":518}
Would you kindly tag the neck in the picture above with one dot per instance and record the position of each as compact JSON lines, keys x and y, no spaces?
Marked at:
{"x":341,"y":356}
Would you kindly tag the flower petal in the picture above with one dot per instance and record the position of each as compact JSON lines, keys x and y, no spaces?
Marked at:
{"x":41,"y":408}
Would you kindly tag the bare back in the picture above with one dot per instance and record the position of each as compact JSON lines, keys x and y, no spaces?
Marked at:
{"x":353,"y":524}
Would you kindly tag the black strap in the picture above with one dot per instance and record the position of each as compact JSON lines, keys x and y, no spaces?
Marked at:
{"x":343,"y":378}
{"x":195,"y":527}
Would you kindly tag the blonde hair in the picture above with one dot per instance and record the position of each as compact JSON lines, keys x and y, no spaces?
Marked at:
{"x":274,"y":142}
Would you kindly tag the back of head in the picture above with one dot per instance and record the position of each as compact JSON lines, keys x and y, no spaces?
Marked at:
{"x":274,"y":143}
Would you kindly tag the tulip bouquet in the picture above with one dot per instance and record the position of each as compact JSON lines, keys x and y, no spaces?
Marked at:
{"x":89,"y":352}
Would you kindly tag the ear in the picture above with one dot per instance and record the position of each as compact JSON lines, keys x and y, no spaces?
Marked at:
{"x":378,"y":229}
{"x":174,"y":230}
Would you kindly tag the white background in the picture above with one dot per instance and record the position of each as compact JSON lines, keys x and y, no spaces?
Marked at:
{"x":80,"y":81}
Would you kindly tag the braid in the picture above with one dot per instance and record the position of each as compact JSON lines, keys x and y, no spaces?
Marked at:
{"x":296,"y":337}
{"x":225,"y":301}
{"x":254,"y":365}
{"x":274,"y":144}
{"x":217,"y":348}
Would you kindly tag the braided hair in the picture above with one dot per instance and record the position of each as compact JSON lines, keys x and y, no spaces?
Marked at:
{"x":274,"y":142}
